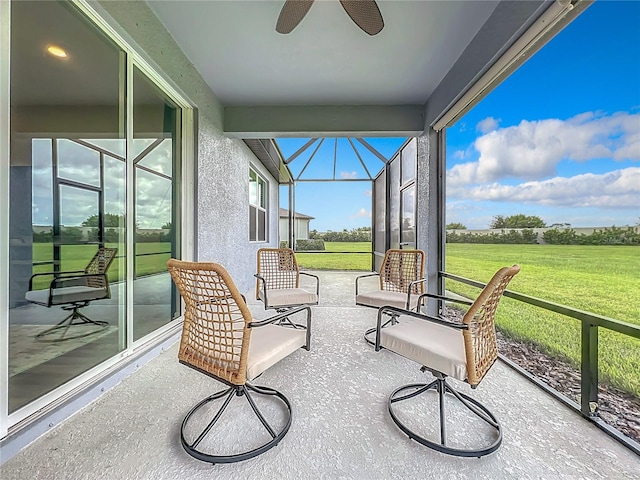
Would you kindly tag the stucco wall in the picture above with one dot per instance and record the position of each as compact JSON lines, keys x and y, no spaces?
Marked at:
{"x":222,"y":170}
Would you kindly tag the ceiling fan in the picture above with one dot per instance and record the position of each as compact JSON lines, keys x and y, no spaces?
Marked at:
{"x":364,"y":13}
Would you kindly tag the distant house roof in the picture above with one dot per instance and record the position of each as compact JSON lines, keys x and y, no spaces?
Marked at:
{"x":284,"y":213}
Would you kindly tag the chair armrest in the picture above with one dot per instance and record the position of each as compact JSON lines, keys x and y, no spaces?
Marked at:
{"x":261,"y":282}
{"x":282,"y":316}
{"x":445,"y":298}
{"x":55,"y":274}
{"x":67,"y":280}
{"x":374,"y":274}
{"x":317,"y":281}
{"x":395,"y":311}
{"x":409,"y":291}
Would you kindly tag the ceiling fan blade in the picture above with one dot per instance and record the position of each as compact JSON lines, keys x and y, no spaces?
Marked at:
{"x":365,"y":14}
{"x":292,"y":13}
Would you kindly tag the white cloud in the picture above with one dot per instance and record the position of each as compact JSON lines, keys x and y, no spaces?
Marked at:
{"x":362,"y":213}
{"x":81,"y":164}
{"x":348,"y":175}
{"x":616,"y":189}
{"x":487,"y":125}
{"x":532,"y":150}
{"x":459,"y":154}
{"x":367,"y":193}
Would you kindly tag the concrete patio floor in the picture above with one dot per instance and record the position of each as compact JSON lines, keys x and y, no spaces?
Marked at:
{"x":341,"y":427}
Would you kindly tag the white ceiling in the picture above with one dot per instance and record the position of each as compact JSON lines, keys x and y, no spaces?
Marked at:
{"x":327,"y":59}
{"x":328,"y":77}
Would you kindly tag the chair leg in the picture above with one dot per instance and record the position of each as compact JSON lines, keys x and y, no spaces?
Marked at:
{"x":232,"y":392}
{"x":392,"y":321}
{"x":442,"y":387}
{"x":74,"y":318}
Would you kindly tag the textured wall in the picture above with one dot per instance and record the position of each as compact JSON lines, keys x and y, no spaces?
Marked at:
{"x":427,"y":221}
{"x":222,"y":183}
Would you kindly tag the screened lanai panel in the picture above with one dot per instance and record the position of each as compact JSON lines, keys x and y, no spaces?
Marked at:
{"x":394,"y":203}
{"x":379,"y":219}
{"x":336,"y":159}
{"x":86,"y":171}
{"x":319,"y":164}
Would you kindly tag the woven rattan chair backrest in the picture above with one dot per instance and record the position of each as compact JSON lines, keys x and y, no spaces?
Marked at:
{"x":400,"y":268}
{"x":99,"y":265}
{"x":278,"y":267}
{"x":215,"y":337}
{"x":480,"y":339}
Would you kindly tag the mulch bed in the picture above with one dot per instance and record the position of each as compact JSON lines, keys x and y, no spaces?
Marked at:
{"x":619,"y":409}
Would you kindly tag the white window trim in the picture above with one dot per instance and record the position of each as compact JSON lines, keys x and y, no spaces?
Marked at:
{"x":264,"y":209}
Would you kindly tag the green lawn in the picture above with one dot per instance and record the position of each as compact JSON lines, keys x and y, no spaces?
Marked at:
{"x":597,"y":279}
{"x":338,"y":261}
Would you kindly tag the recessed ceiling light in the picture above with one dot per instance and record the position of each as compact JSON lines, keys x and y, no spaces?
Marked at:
{"x":57,"y":51}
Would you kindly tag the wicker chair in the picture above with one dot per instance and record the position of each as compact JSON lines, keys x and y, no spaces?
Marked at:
{"x":73,"y":290}
{"x":221,"y":340}
{"x":465,"y":351}
{"x":401,"y":284}
{"x":278,"y":280}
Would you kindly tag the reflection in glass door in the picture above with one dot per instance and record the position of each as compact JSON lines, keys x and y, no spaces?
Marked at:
{"x":64,"y":191}
{"x":156,"y":123}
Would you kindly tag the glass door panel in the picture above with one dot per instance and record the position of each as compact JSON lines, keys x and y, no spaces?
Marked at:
{"x":156,"y":122}
{"x":394,"y":203}
{"x":61,"y":198}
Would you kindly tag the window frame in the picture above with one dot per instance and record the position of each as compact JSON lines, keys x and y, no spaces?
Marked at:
{"x":256,"y":234}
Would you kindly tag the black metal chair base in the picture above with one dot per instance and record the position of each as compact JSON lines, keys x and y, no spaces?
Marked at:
{"x":393,"y":320}
{"x":235,"y":391}
{"x":75,"y":318}
{"x":442,"y":387}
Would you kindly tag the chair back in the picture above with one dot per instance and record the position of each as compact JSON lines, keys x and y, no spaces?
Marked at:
{"x":278,"y":267}
{"x":480,"y":338}
{"x":400,"y":268}
{"x":99,"y":265}
{"x":215,"y":336}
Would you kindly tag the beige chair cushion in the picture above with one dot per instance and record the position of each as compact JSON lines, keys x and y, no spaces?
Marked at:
{"x":287,"y":297}
{"x":66,"y":295}
{"x":270,"y":344}
{"x":434,"y":346}
{"x":380,"y":298}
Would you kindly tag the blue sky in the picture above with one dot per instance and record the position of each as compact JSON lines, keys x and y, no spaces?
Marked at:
{"x":559,"y":138}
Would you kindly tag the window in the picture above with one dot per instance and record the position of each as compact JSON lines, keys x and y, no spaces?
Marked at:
{"x":257,"y":207}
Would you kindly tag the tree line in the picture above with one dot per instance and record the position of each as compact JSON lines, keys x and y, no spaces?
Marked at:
{"x":518,"y":229}
{"x":112,"y":232}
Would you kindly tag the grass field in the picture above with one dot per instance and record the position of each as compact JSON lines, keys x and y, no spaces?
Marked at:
{"x":338,"y":261}
{"x":599,"y":279}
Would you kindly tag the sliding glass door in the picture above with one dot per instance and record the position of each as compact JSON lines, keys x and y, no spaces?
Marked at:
{"x":94,"y":204}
